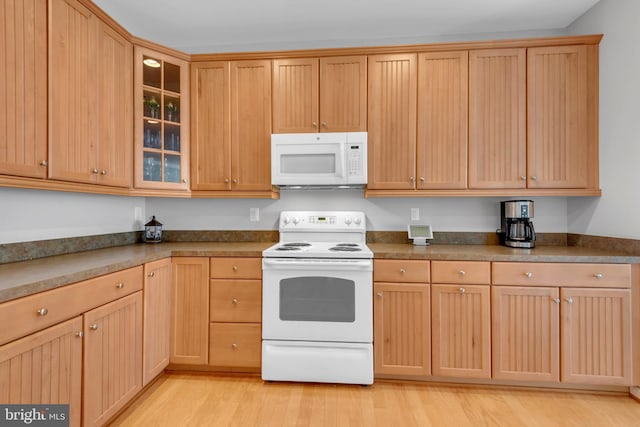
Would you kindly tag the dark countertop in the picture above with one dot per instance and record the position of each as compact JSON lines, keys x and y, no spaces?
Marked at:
{"x":28,"y":277}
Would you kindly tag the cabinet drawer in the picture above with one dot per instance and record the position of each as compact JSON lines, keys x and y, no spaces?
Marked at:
{"x":235,"y":301}
{"x":236,"y":268}
{"x":475,"y":272}
{"x":561,"y":274}
{"x":400,"y":271}
{"x":235,"y":344}
{"x":22,"y":316}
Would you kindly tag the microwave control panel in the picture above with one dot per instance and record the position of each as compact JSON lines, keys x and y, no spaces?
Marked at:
{"x":356,"y":147}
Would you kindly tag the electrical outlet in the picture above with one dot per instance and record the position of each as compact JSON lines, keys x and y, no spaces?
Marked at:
{"x":415,"y":214}
{"x":254,"y":214}
{"x":137,"y":214}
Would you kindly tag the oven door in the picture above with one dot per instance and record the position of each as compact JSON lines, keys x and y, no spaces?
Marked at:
{"x":317,"y":300}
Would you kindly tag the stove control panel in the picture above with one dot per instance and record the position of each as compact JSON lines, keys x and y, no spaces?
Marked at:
{"x":330,"y":221}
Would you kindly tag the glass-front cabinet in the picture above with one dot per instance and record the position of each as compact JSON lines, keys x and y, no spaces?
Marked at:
{"x":162,"y":120}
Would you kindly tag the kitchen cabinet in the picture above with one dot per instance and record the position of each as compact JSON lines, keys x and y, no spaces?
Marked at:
{"x":235,"y":333}
{"x":497,"y":118}
{"x":45,"y":367}
{"x":231,"y":122}
{"x":392,"y":94}
{"x":112,"y":358}
{"x":161,"y":122}
{"x":401,"y":319}
{"x":320,"y":94}
{"x":461,"y":319}
{"x":23,"y":96}
{"x":562,"y":117}
{"x":157,"y":318}
{"x":190,"y":310}
{"x":442,"y":120}
{"x":90,"y":87}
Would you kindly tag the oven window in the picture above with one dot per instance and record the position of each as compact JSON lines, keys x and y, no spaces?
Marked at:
{"x":308,"y":163}
{"x":317,"y":299}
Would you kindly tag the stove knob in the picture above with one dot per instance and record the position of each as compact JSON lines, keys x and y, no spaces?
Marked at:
{"x":347,"y":220}
{"x":296,"y":220}
{"x":357,"y":220}
{"x":287,"y":220}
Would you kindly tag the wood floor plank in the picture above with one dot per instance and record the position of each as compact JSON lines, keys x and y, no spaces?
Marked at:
{"x":224,"y":400}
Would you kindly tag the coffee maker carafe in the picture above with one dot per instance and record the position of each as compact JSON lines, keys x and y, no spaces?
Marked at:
{"x":516,"y":227}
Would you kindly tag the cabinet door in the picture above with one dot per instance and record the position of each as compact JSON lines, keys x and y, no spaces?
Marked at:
{"x":23,"y":94}
{"x":295,"y":95}
{"x":525,"y":326}
{"x":251,"y":125}
{"x":190,"y":311}
{"x":343,"y":94}
{"x":115,"y":108}
{"x":210,"y":124}
{"x":497,"y":118}
{"x":392,"y":95}
{"x":401,"y":329}
{"x":596,"y":336}
{"x":157,"y":318}
{"x":72,"y":92}
{"x":559,"y":126}
{"x":442,"y":120}
{"x":45,"y":367}
{"x":112,"y":358}
{"x":461,"y":331}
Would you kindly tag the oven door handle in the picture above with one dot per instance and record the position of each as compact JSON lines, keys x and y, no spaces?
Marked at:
{"x":293,"y":264}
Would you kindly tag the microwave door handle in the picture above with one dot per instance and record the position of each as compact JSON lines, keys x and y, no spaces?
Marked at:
{"x":343,"y":158}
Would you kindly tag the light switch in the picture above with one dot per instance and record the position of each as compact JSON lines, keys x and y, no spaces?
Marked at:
{"x":254,"y":214}
{"x":415,"y":214}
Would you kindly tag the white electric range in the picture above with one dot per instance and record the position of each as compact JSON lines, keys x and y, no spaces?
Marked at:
{"x":317,"y":286}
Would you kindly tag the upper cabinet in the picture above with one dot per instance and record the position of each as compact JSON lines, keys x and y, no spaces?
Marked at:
{"x":562,"y":117}
{"x":23,"y":96}
{"x":320,"y":95}
{"x":161,"y":121}
{"x":90,"y":88}
{"x":231,"y":126}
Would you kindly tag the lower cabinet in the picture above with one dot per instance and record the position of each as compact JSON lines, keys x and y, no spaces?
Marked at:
{"x":157,"y":318}
{"x":236,"y":345}
{"x":45,"y":367}
{"x":112,"y":358}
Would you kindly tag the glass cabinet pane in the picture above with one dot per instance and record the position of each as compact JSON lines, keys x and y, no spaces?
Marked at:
{"x":171,"y":137}
{"x":172,"y":109}
{"x":171,"y":168}
{"x":151,"y":72}
{"x":152,"y":166}
{"x":171,"y":77}
{"x":152,"y":136}
{"x":151,"y":104}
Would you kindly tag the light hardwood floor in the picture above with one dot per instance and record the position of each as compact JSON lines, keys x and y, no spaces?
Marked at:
{"x":208,"y":400}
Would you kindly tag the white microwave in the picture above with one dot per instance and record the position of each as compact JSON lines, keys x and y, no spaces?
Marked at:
{"x":319,"y":159}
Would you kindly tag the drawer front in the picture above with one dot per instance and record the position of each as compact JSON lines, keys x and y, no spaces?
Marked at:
{"x":561,"y":274}
{"x":235,"y":301}
{"x":388,"y":270}
{"x":236,"y":268}
{"x":38,"y":311}
{"x":235,"y":344}
{"x":472,"y":272}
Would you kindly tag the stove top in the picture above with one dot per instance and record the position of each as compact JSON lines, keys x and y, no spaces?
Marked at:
{"x":318,"y":250}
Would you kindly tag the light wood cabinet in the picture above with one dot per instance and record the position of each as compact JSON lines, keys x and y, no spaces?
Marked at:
{"x":562,"y":117}
{"x":596,"y":336}
{"x":161,"y":112}
{"x":23,"y":94}
{"x":190,"y":310}
{"x":45,"y":367}
{"x":392,"y":94}
{"x":231,"y":121}
{"x":442,"y":120}
{"x":157,"y":318}
{"x":526,"y":333}
{"x":320,"y":95}
{"x":90,"y":85}
{"x":112,"y":358}
{"x":497,"y":118}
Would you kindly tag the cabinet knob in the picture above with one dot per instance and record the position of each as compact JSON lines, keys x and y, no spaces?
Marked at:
{"x":524,"y":178}
{"x":379,"y":294}
{"x":402,"y":271}
{"x":462,"y":290}
{"x":94,"y":327}
{"x":120,"y":285}
{"x":185,"y":180}
{"x":569,"y":300}
{"x":528,"y":275}
{"x":324,"y":125}
{"x":556,"y":300}
{"x":598,"y":276}
{"x":103,"y":172}
{"x":235,"y":181}
{"x":95,"y":171}
{"x":534,"y":178}
{"x":315,"y":125}
{"x":42,"y":312}
{"x":422,"y":179}
{"x":234,"y":346}
{"x":43,"y":163}
{"x":235,"y":268}
{"x":226,"y":180}
{"x":412,"y":179}
{"x":235,"y":301}
{"x":79,"y":334}
{"x":152,"y":274}
{"x":462,"y":272}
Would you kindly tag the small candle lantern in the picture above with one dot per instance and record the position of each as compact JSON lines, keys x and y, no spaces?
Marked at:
{"x":152,"y":231}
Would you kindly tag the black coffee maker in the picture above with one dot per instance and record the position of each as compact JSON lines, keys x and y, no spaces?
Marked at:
{"x":516,"y":228}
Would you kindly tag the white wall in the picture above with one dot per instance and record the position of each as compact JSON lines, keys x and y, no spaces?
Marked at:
{"x":616,"y":213}
{"x":27,"y":215}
